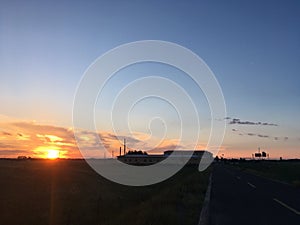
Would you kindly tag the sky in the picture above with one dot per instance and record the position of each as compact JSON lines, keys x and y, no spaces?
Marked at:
{"x":252,"y":47}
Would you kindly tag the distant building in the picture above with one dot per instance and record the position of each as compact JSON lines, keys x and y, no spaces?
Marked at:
{"x":149,"y":159}
{"x":21,"y":157}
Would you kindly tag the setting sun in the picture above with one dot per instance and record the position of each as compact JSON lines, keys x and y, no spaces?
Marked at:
{"x":52,"y":154}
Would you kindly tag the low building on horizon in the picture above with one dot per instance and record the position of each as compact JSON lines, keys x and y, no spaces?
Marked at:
{"x":142,"y":158}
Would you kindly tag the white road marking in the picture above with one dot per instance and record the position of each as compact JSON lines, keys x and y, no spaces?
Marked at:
{"x":251,"y":185}
{"x":286,"y":206}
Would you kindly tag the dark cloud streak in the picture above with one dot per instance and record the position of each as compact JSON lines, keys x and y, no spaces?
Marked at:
{"x":238,"y":121}
{"x":6,"y":133}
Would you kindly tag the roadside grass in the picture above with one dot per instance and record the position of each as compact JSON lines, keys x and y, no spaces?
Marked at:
{"x":69,"y":192}
{"x":285,"y":171}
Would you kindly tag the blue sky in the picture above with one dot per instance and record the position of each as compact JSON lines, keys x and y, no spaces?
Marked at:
{"x":253,"y":48}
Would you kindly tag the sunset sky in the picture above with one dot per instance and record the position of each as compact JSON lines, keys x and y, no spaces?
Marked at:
{"x":253,"y":48}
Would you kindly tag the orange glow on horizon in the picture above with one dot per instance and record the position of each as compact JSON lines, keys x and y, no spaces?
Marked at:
{"x":35,"y":140}
{"x":49,"y":152}
{"x":53,"y":154}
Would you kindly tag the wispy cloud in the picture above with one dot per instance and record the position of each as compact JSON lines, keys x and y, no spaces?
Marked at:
{"x":6,"y":133}
{"x":238,"y":121}
{"x":14,"y":152}
{"x":263,"y":136}
{"x":241,"y":133}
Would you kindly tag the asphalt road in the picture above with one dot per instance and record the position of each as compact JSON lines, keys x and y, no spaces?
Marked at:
{"x":239,"y":198}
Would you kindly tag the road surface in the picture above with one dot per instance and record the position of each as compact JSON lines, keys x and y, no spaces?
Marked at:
{"x":239,"y":198}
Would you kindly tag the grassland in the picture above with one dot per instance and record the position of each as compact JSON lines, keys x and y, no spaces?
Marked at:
{"x":40,"y":192}
{"x":285,"y":171}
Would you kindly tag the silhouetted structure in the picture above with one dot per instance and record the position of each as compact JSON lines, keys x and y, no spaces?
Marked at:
{"x":260,"y":155}
{"x":142,"y":158}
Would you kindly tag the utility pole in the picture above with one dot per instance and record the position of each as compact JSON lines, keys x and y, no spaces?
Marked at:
{"x":124,"y":146}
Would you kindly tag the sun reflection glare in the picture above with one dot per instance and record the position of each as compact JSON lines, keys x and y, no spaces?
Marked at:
{"x":52,"y":154}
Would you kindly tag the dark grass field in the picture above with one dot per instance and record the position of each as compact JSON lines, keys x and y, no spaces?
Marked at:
{"x":286,"y":171}
{"x":40,"y":192}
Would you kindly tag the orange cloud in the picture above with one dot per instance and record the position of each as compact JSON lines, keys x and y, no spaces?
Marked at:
{"x":28,"y":138}
{"x":34,"y":140}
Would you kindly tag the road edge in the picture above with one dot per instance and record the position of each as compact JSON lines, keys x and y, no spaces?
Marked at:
{"x":204,"y":215}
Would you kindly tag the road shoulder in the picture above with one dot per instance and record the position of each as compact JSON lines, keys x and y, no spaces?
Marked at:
{"x":204,"y":215}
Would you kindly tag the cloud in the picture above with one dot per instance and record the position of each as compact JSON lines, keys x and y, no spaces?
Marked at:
{"x":258,"y":135}
{"x":167,"y":144}
{"x":111,"y":136}
{"x":162,"y":148}
{"x":6,"y":133}
{"x":5,"y":146}
{"x":14,"y":152}
{"x":36,"y":139}
{"x":263,"y":136}
{"x":30,"y":136}
{"x":241,"y":133}
{"x":238,"y":121}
